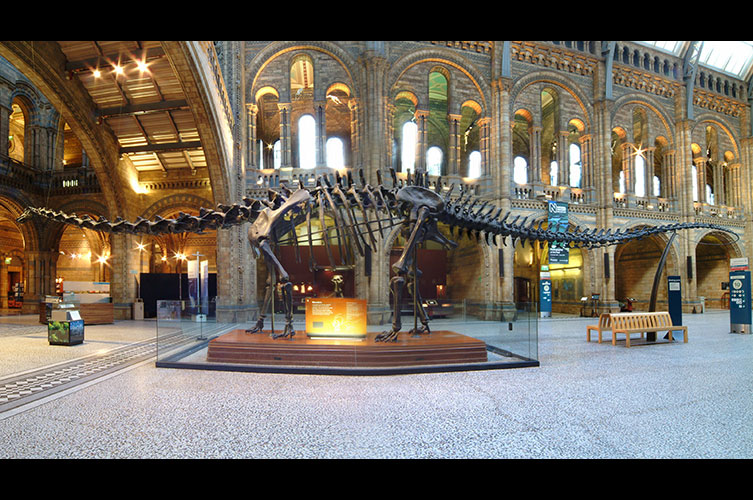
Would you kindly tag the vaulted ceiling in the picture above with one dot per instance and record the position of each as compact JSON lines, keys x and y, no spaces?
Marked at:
{"x":138,"y":94}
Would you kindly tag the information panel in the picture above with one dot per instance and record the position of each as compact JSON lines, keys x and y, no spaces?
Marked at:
{"x":739,"y":301}
{"x":545,"y":292}
{"x":336,"y":317}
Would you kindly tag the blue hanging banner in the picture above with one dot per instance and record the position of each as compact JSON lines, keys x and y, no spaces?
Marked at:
{"x":558,"y":252}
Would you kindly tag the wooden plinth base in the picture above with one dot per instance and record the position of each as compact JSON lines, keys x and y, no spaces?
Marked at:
{"x":440,"y":347}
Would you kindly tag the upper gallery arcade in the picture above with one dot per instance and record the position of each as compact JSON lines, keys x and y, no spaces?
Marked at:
{"x":628,"y":134}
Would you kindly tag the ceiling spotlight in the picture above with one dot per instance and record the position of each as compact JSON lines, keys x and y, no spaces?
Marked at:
{"x":96,"y":73}
{"x":142,"y":66}
{"x":118,"y":69}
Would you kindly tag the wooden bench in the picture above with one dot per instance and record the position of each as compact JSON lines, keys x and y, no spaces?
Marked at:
{"x":641,"y":322}
{"x":605,"y":325}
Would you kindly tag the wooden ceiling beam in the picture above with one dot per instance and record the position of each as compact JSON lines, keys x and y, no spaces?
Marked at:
{"x":139,"y":109}
{"x":170,"y":146}
{"x":94,"y":62}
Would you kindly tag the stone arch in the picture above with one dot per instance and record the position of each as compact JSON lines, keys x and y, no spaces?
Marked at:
{"x":636,"y":262}
{"x":712,"y":251}
{"x":442,"y":58}
{"x":277,"y":49}
{"x":650,"y":104}
{"x":174,"y":203}
{"x":562,"y":84}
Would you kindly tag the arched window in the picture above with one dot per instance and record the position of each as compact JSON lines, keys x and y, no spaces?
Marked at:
{"x":576,"y":167}
{"x":694,"y":182}
{"x":640,"y":176}
{"x":276,"y":154}
{"x":335,"y":153}
{"x":622,"y":182}
{"x":474,"y":165}
{"x":434,"y":161}
{"x":709,"y":194}
{"x":520,"y":170}
{"x":408,"y":150}
{"x":306,"y":142}
{"x":657,"y":186}
{"x":554,"y":173}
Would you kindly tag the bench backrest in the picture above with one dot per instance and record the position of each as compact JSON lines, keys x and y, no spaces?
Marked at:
{"x":641,"y":320}
{"x":605,"y":320}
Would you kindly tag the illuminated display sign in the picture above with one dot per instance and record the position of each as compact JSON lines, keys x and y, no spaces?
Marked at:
{"x":336,"y":317}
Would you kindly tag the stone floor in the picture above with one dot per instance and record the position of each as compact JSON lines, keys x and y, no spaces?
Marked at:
{"x":585,"y":400}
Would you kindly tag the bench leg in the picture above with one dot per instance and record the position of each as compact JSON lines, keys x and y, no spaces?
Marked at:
{"x":670,"y":336}
{"x":627,"y":339}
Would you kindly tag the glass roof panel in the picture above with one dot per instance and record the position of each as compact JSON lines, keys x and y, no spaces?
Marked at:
{"x":730,"y":56}
{"x":673,"y":47}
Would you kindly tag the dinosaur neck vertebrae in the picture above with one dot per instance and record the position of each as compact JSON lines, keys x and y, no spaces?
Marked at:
{"x":362,"y":215}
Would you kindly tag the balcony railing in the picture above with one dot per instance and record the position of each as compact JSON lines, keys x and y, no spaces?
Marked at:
{"x":33,"y":180}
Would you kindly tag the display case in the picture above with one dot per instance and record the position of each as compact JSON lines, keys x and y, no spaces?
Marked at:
{"x":65,"y":326}
{"x":331,"y":338}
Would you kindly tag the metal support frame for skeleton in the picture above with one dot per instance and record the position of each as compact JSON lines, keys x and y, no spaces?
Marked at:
{"x":360,"y":213}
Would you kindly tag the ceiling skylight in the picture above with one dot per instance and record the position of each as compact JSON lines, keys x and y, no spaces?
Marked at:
{"x":730,"y":56}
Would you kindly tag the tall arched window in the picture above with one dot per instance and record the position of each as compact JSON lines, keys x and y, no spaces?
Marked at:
{"x":520,"y":170}
{"x":408,"y":150}
{"x":657,"y":186}
{"x":622,"y":182}
{"x":554,"y":173}
{"x":576,"y":167}
{"x":307,"y":142}
{"x":277,"y":154}
{"x":474,"y":165}
{"x":434,"y":161}
{"x":694,"y":182}
{"x":335,"y":153}
{"x":640,"y":176}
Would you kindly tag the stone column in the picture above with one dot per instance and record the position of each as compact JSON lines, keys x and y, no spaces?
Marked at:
{"x":422,"y":117}
{"x":4,"y":128}
{"x":41,"y":268}
{"x":484,"y":147}
{"x":285,"y":135}
{"x":649,"y":172}
{"x":355,"y":135}
{"x":563,"y":158}
{"x":321,"y":133}
{"x":700,"y":165}
{"x":453,"y":153}
{"x":534,"y":166}
{"x":252,"y":160}
{"x":4,"y":282}
{"x":586,"y":169}
{"x":718,"y":171}
{"x":628,"y":167}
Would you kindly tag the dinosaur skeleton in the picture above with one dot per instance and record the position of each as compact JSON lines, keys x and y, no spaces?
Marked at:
{"x":360,"y":212}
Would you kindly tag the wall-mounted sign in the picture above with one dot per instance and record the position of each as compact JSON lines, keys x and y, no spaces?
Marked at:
{"x":335,"y":317}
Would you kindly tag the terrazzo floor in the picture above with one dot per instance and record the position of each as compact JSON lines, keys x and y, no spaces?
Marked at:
{"x":586,"y":400}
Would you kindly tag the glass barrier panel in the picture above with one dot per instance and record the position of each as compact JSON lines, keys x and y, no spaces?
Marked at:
{"x":342,"y":334}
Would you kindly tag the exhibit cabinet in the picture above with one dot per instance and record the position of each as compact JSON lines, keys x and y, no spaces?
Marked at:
{"x":332,"y":335}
